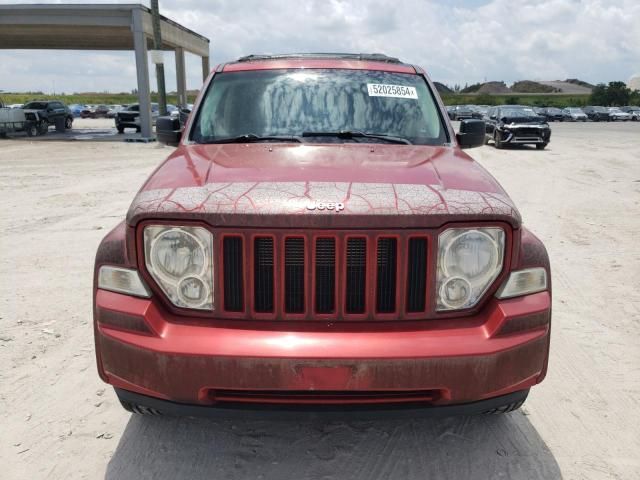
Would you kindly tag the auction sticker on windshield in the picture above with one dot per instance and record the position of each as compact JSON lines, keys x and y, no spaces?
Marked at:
{"x":397,"y":91}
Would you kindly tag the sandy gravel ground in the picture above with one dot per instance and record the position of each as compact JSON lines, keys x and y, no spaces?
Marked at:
{"x":58,"y":421}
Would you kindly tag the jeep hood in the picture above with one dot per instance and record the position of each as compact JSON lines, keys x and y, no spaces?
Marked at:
{"x":274,"y":185}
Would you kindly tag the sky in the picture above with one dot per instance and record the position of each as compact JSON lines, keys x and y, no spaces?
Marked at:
{"x":456,"y":41}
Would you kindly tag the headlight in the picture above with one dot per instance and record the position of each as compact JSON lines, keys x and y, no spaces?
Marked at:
{"x":180,"y":260}
{"x":469,"y":260}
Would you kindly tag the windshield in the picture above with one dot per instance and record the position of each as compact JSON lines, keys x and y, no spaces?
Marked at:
{"x":271,"y":103}
{"x":35,"y":106}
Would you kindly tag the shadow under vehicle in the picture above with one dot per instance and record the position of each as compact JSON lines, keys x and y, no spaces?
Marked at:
{"x":481,"y":447}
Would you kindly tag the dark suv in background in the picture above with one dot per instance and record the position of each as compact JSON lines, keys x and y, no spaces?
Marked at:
{"x":48,"y":111}
{"x":553,"y":114}
{"x":130,"y":117}
{"x":461,"y":112}
{"x":514,"y":124}
{"x":597,"y":114}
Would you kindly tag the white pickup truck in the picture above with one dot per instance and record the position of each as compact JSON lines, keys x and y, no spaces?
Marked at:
{"x":17,"y":120}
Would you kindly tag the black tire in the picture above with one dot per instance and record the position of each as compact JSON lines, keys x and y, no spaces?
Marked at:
{"x":139,"y":409}
{"x":32,"y":130}
{"x":541,"y":146}
{"x":508,"y":408}
{"x":497,"y":142}
{"x":120,"y":129}
{"x":43,"y":128}
{"x":68,"y":123}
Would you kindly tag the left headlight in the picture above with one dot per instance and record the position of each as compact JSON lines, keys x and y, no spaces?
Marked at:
{"x":180,"y":260}
{"x":469,"y":261}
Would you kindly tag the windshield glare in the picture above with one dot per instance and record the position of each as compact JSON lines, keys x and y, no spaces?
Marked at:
{"x":518,"y":112}
{"x":291,"y":102}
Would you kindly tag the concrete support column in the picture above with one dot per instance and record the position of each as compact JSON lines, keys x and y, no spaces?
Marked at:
{"x":142,"y":68}
{"x":181,"y":76}
{"x":205,"y":68}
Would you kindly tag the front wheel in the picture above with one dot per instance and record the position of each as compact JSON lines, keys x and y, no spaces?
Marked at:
{"x":497,"y":141}
{"x":68,"y":123}
{"x":43,"y":128}
{"x":32,"y":130}
{"x":541,"y":146}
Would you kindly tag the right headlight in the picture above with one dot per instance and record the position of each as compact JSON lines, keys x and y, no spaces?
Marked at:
{"x":180,"y":260}
{"x":469,"y":261}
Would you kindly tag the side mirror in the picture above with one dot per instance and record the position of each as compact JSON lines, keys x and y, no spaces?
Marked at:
{"x":168,"y":131}
{"x":472,"y":133}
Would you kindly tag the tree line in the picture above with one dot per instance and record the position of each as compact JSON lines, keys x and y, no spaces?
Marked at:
{"x":615,"y":94}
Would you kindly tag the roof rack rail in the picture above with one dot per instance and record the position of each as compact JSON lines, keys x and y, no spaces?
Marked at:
{"x":372,"y":57}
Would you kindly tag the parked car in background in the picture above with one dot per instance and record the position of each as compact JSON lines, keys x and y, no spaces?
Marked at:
{"x":479,"y":111}
{"x":462,"y":112}
{"x":185,"y":111}
{"x":14,"y":120}
{"x":617,"y":115}
{"x":634,"y":112}
{"x":48,"y":111}
{"x":596,"y":113}
{"x":88,"y":111}
{"x":265,"y":269}
{"x":450,"y":109}
{"x":113,"y":109}
{"x":553,"y":114}
{"x":516,"y":125}
{"x":95,"y":111}
{"x":574,"y":114}
{"x":130,"y":117}
{"x":76,"y":109}
{"x":173,"y":111}
{"x":15,"y":105}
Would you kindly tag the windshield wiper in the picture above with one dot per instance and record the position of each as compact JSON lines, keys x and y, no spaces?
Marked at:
{"x":358,"y":134}
{"x":252,"y":138}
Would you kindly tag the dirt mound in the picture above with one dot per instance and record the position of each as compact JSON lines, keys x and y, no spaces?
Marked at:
{"x":494,"y":88}
{"x":528,"y":86}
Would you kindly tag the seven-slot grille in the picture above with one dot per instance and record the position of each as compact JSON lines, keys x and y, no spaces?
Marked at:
{"x":319,"y":276}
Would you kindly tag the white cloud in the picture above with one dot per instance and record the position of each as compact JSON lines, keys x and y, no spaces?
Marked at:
{"x":456,"y":41}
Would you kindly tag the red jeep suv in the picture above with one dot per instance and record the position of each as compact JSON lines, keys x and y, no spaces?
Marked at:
{"x":319,"y":241}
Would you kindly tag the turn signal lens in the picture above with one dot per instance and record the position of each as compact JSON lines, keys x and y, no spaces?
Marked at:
{"x":122,"y":280}
{"x":524,"y":282}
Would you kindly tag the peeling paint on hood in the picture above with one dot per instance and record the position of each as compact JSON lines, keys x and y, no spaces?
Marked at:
{"x":380,"y":186}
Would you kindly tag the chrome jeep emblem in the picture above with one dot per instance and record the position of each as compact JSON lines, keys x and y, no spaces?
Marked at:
{"x":335,"y":206}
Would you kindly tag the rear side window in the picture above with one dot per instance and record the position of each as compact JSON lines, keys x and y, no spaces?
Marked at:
{"x":290,"y":102}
